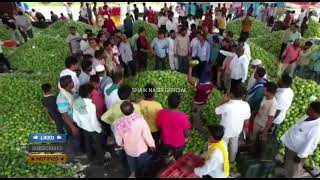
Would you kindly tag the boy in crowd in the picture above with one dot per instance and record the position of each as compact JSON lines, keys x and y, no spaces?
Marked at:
{"x":84,"y":115}
{"x":49,"y":103}
{"x":234,"y":112}
{"x":264,"y":117}
{"x":301,"y":140}
{"x":217,"y":161}
{"x":174,"y":126}
{"x":149,"y":109}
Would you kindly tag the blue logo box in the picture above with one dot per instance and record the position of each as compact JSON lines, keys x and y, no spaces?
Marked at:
{"x":50,"y":138}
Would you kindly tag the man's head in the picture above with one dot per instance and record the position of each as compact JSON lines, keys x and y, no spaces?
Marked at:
{"x":51,"y":12}
{"x":61,"y":15}
{"x":95,"y":81}
{"x":85,"y":91}
{"x":149,"y":91}
{"x":256,"y":63}
{"x":183,"y":31}
{"x":307,"y":45}
{"x":117,"y":76}
{"x":127,"y":15}
{"x":86,"y":66}
{"x":144,"y":4}
{"x":127,"y":108}
{"x":285,"y":81}
{"x":302,"y":10}
{"x":161,"y":34}
{"x":314,"y":110}
{"x":270,"y":89}
{"x":92,"y":42}
{"x":98,"y":54}
{"x":174,"y":100}
{"x":202,"y":38}
{"x":33,"y":10}
{"x":73,"y":30}
{"x":124,"y":92}
{"x":66,"y":83}
{"x":46,"y":88}
{"x":135,"y":5}
{"x":240,"y":51}
{"x":124,"y":38}
{"x":216,"y":132}
{"x":72,"y":63}
{"x":238,"y":92}
{"x":193,"y":27}
{"x":172,"y":34}
{"x":260,"y":73}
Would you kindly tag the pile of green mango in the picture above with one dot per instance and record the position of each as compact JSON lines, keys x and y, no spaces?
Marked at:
{"x":313,"y":30}
{"x":151,"y":29}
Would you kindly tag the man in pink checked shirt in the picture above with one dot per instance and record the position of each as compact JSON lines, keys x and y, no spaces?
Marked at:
{"x":133,"y":134}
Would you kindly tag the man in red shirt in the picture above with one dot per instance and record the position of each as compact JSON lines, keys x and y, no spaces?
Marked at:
{"x":174,"y":126}
{"x":109,"y":24}
{"x":208,"y":22}
{"x":287,"y":20}
{"x":203,"y":88}
{"x":152,"y":17}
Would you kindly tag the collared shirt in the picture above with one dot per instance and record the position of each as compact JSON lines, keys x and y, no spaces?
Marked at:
{"x":172,"y":25}
{"x":149,"y":110}
{"x":74,"y":77}
{"x":172,"y":46}
{"x":128,"y":24}
{"x":84,"y":78}
{"x":284,"y":98}
{"x":160,"y":46}
{"x":125,"y":52}
{"x":239,"y":67}
{"x":173,"y":126}
{"x":182,"y":45}
{"x":75,"y":42}
{"x":132,"y":133}
{"x":233,"y":114}
{"x":303,"y":138}
{"x":204,"y":51}
{"x":290,"y":36}
{"x":291,"y":54}
{"x":111,"y":98}
{"x":162,"y":21}
{"x":87,"y":121}
{"x":267,"y":108}
{"x":23,"y":22}
{"x":252,"y":81}
{"x":194,"y":45}
{"x":98,"y":101}
{"x":213,"y":167}
{"x":247,"y":50}
{"x":63,"y":105}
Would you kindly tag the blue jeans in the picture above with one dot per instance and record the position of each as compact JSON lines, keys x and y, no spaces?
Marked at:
{"x":73,"y":146}
{"x":138,"y":164}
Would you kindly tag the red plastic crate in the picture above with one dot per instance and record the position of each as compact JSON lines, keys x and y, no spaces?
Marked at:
{"x":178,"y":169}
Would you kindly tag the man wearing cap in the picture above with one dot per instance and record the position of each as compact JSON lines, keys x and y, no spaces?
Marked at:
{"x":255,"y":64}
{"x":104,"y":79}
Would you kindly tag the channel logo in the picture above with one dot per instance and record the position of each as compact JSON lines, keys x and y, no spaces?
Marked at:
{"x":48,"y":138}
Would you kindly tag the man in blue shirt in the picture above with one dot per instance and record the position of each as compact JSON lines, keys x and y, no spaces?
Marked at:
{"x":160,"y":47}
{"x":128,"y":26}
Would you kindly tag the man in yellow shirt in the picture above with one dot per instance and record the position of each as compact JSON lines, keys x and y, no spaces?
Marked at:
{"x":149,"y":109}
{"x":115,"y":112}
{"x":246,"y":27}
{"x":222,"y":21}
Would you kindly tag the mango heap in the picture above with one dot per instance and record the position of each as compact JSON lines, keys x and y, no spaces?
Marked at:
{"x":313,"y":30}
{"x":151,"y":29}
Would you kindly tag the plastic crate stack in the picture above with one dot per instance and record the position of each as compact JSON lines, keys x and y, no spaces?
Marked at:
{"x":183,"y":168}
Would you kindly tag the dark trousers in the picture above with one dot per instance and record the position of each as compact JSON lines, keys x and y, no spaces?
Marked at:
{"x":27,"y":34}
{"x":130,"y":68}
{"x":245,"y":34}
{"x":5,"y":61}
{"x":160,"y":63}
{"x":183,"y":64}
{"x":167,"y":150}
{"x":229,"y":17}
{"x":93,"y":146}
{"x":138,"y":164}
{"x":221,"y":32}
{"x":59,"y":125}
{"x":142,"y":60}
{"x":235,"y":83}
{"x":283,"y":47}
{"x":70,"y":16}
{"x":73,"y":146}
{"x":201,"y":66}
{"x":136,"y":17}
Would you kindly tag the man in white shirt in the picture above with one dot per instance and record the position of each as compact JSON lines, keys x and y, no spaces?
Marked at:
{"x":173,"y":60}
{"x":111,"y":90}
{"x":203,"y":53}
{"x":301,"y":140}
{"x":126,"y":56}
{"x":68,"y":8}
{"x":243,"y":42}
{"x":239,"y":68}
{"x":234,"y":112}
{"x":172,"y":23}
{"x":72,"y":66}
{"x":25,"y":26}
{"x":182,"y":13}
{"x":74,"y":40}
{"x":84,"y":44}
{"x":128,"y":8}
{"x":300,"y":17}
{"x":255,"y":65}
{"x":214,"y":165}
{"x":86,"y":69}
{"x":194,"y":45}
{"x":84,"y":115}
{"x":284,"y":97}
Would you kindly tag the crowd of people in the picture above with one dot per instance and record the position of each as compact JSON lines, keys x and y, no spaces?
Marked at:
{"x":94,"y":107}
